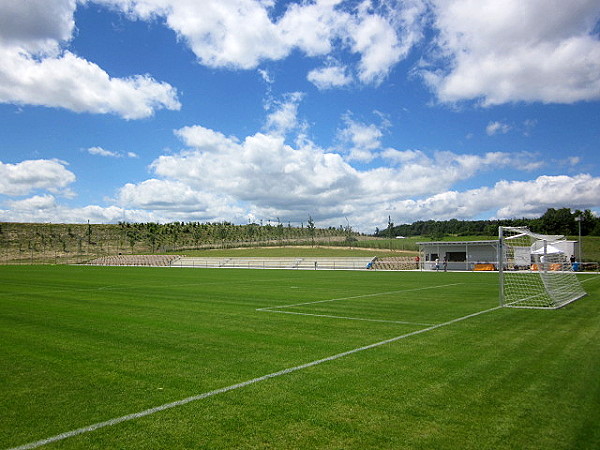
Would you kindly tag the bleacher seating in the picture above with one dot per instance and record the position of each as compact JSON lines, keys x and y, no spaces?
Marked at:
{"x":135,"y":260}
{"x":395,"y":263}
{"x":330,"y":263}
{"x":301,"y":263}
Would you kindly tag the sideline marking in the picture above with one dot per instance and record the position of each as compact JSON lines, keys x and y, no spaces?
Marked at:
{"x":148,"y":412}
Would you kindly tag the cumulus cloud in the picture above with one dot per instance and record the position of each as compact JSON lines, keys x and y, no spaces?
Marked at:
{"x":35,"y":203}
{"x":532,"y":198}
{"x":284,"y":117}
{"x":70,"y":82}
{"x":46,"y":209}
{"x":228,"y":178}
{"x":166,"y":196}
{"x":360,"y":140}
{"x":376,"y":40}
{"x":415,"y":173}
{"x":36,"y":25}
{"x":240,"y":34}
{"x":501,"y":52}
{"x":36,"y":70}
{"x":28,"y":176}
{"x":490,"y":51}
{"x":261,"y":169}
{"x":330,"y":77}
{"x":527,"y":199}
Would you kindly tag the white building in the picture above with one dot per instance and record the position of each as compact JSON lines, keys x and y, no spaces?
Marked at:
{"x":459,"y":255}
{"x":471,"y":255}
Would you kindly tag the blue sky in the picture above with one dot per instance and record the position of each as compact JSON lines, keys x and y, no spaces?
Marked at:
{"x":250,"y":110}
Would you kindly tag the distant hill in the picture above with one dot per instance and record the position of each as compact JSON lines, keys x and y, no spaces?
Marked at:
{"x":73,"y":243}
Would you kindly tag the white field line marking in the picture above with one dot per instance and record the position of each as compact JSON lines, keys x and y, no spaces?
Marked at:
{"x":148,"y":412}
{"x":348,"y":318}
{"x":275,"y":309}
{"x":589,"y":279}
{"x":356,"y":296}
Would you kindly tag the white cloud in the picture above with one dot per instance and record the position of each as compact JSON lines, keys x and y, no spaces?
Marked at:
{"x":361,"y":140}
{"x":99,"y":151}
{"x":526,"y":199}
{"x":35,"y":203}
{"x":284,"y":118}
{"x":532,"y":198}
{"x":261,"y":170}
{"x":36,"y":70}
{"x":376,"y":40}
{"x":329,"y":77}
{"x":73,"y":83}
{"x":240,"y":34}
{"x":28,"y":176}
{"x":45,"y":209}
{"x":206,"y":140}
{"x":509,"y":199}
{"x":503,"y":52}
{"x":528,"y":126}
{"x":415,"y":173}
{"x":170,"y":200}
{"x":236,"y":34}
{"x":325,"y":22}
{"x":266,"y":76}
{"x":36,"y":25}
{"x":102,"y":152}
{"x":226,"y":178}
{"x":497,"y":127}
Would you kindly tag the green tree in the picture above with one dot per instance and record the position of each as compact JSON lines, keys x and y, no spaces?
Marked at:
{"x":390,"y":230}
{"x":311,"y":230}
{"x":558,"y":221}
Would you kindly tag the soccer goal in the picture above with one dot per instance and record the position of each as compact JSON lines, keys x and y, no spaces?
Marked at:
{"x":535,"y":270}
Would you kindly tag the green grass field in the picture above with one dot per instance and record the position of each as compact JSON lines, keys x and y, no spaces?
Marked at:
{"x":86,"y":345}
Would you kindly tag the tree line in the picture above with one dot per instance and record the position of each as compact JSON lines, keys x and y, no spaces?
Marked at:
{"x":52,"y":243}
{"x":553,"y":221}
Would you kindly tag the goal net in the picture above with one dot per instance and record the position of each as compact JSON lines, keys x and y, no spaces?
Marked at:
{"x":535,"y":270}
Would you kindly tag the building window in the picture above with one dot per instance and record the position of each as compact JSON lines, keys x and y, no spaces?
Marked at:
{"x":456,"y":256}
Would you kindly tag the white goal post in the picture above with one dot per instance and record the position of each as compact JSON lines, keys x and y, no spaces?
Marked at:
{"x":535,"y":270}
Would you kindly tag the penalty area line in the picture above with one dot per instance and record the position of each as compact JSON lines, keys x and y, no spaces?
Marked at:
{"x":376,"y":294}
{"x":194,"y":398}
{"x":329,"y":316}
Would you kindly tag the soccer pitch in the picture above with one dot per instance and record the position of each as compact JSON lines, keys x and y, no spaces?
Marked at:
{"x":97,"y":357}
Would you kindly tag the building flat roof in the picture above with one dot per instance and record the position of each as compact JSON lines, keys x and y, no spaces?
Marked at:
{"x":489,"y":242}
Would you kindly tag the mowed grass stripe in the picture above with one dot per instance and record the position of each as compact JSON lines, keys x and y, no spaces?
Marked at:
{"x":349,"y":305}
{"x":70,"y":360}
{"x":117,"y":349}
{"x":224,"y":390}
